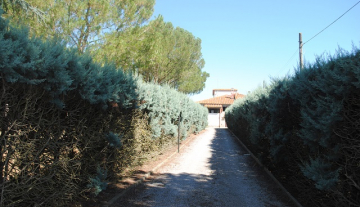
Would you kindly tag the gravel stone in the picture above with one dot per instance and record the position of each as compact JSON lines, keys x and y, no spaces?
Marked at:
{"x":212,"y":171}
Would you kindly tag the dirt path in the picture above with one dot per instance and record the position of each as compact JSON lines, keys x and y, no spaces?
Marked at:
{"x":212,"y":171}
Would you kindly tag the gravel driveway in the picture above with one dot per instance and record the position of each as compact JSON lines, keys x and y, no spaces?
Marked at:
{"x":212,"y":171}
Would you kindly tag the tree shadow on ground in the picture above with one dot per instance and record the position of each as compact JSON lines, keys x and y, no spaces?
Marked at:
{"x":235,"y":179}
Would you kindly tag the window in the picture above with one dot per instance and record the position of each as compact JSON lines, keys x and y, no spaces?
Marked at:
{"x":214,"y":110}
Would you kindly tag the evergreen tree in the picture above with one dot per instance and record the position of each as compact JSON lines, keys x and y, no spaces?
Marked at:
{"x":18,"y":7}
{"x":82,"y":23}
{"x":160,"y":53}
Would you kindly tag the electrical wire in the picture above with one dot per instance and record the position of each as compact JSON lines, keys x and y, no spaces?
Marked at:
{"x":292,"y":57}
{"x":331,"y":23}
{"x":315,"y":36}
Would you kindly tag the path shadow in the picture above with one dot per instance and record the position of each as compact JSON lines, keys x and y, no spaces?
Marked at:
{"x":234,"y":177}
{"x":185,"y":190}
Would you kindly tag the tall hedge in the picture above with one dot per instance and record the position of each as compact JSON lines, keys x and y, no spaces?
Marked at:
{"x":59,"y":70}
{"x":305,"y":129}
{"x":57,"y":139}
{"x":69,"y":125}
{"x":164,"y":105}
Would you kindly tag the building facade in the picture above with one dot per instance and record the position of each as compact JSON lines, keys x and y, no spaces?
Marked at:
{"x":222,"y":98}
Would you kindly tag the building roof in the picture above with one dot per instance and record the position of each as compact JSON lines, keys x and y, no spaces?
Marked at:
{"x":220,"y":100}
{"x":212,"y":106}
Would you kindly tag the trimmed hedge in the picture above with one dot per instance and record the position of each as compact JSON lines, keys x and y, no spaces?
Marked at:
{"x":306,"y":129}
{"x":69,"y":125}
{"x":59,"y":70}
{"x":164,"y":105}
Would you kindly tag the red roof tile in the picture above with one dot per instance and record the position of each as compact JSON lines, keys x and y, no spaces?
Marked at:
{"x":212,"y":106}
{"x":221,"y":100}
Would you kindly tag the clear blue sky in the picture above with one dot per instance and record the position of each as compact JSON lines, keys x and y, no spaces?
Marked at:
{"x":246,"y":42}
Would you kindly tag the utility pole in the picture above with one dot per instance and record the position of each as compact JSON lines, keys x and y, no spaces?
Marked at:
{"x":300,"y":52}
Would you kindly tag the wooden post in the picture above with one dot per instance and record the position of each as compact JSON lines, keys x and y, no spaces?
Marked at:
{"x":300,"y":52}
{"x":179,"y":132}
{"x":220,"y":110}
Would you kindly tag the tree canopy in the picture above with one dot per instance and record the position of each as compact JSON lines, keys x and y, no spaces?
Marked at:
{"x":120,"y":32}
{"x":82,"y":23}
{"x":16,"y":7}
{"x":160,"y":53}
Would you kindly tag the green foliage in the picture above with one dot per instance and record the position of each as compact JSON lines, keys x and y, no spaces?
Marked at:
{"x":98,"y":183}
{"x":81,"y":23}
{"x":18,"y":7}
{"x":164,"y":105}
{"x":59,"y":70}
{"x":303,"y":127}
{"x":283,"y":119}
{"x":53,"y":134}
{"x":115,"y":31}
{"x":321,"y":172}
{"x":160,"y":53}
{"x":114,"y":140}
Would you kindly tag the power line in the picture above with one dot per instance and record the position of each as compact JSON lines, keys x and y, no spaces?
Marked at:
{"x":331,"y":23}
{"x":315,"y":36}
{"x":292,"y":57}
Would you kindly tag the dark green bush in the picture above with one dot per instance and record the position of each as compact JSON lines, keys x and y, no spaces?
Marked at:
{"x":59,"y":70}
{"x":310,"y":141}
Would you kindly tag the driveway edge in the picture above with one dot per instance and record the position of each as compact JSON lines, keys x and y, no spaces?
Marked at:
{"x":141,"y":180}
{"x":267,"y":171}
